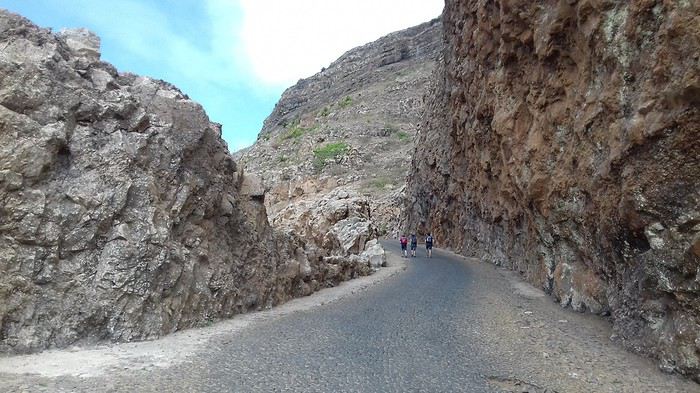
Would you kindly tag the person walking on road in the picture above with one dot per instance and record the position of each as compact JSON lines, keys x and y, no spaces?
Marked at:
{"x":429,"y":244}
{"x":414,"y":244}
{"x":404,"y":243}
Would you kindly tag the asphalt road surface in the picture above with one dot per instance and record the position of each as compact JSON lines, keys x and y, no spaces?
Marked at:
{"x":445,"y":324}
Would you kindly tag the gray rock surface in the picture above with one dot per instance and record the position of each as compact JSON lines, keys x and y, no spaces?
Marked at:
{"x":561,"y":140}
{"x":338,"y":223}
{"x":82,"y":42}
{"x":122,"y":214}
{"x":375,"y":253}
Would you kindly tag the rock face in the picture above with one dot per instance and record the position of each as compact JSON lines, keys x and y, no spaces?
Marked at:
{"x":562,"y":140}
{"x":123,"y":216}
{"x":349,"y":128}
{"x":330,"y":218}
{"x":337,"y":223}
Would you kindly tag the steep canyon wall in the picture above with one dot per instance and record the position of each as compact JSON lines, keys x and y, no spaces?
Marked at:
{"x":562,"y":140}
{"x":122,"y":214}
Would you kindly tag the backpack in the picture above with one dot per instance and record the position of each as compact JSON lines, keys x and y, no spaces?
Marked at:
{"x":429,"y":239}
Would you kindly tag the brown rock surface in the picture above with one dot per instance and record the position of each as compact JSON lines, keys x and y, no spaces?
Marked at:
{"x":562,"y":139}
{"x":122,"y":214}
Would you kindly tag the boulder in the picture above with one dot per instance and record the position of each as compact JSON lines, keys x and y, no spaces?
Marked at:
{"x":82,"y":43}
{"x":375,"y":254}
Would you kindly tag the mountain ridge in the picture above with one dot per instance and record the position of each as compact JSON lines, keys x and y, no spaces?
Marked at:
{"x":341,"y":127}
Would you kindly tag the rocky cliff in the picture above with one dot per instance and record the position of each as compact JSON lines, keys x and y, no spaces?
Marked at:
{"x":562,"y":140}
{"x":348,"y":130}
{"x":122,"y":214}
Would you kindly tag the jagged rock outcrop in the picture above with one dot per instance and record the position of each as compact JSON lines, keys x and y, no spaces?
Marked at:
{"x":122,"y":214}
{"x":336,"y":221}
{"x":562,"y":140}
{"x":349,"y":127}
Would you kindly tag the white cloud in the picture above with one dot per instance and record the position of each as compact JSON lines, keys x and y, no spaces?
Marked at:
{"x":275,"y":42}
{"x":251,"y":51}
{"x":284,"y":40}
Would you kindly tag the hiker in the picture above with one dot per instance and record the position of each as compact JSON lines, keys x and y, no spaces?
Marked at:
{"x":414,"y":244}
{"x":404,"y":243}
{"x":429,"y":244}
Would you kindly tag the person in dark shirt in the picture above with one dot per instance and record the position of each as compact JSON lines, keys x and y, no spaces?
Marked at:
{"x":414,"y":244}
{"x":429,"y":245}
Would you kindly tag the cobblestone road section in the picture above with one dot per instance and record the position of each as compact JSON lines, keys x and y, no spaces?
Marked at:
{"x":446,"y":324}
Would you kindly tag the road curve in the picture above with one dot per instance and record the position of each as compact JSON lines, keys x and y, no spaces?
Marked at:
{"x":446,"y":324}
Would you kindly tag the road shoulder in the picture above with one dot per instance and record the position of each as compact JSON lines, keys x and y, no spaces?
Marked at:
{"x":94,"y":361}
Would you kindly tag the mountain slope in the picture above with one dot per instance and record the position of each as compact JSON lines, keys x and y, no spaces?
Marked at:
{"x":349,"y":126}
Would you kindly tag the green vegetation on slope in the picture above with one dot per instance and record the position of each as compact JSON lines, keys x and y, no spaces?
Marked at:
{"x":329,"y":151}
{"x":402,"y":135}
{"x":295,"y":130}
{"x":345,"y":102}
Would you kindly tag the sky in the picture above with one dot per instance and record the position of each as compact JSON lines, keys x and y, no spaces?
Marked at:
{"x":235,"y":57}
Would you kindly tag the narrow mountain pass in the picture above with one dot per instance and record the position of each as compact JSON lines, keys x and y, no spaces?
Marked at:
{"x":446,"y":324}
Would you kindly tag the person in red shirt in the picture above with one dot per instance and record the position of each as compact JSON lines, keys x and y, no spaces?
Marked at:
{"x":404,"y":244}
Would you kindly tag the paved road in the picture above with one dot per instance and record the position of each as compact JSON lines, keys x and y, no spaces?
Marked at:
{"x":399,"y":337}
{"x":443,"y":325}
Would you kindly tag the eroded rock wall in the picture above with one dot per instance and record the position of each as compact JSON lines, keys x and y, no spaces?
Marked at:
{"x":562,"y":139}
{"x":122,"y":214}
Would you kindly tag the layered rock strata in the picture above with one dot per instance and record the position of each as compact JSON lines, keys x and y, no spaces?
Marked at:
{"x":122,"y":214}
{"x":348,"y":128}
{"x":562,"y":140}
